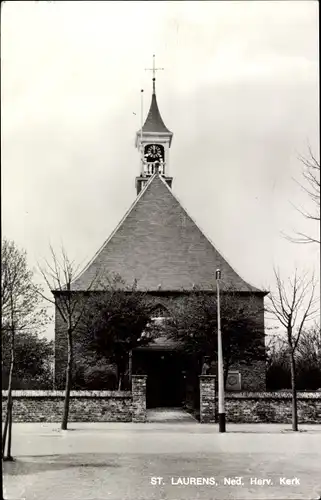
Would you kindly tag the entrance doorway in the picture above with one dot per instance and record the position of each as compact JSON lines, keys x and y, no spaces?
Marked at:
{"x":165,"y":377}
{"x":165,"y":383}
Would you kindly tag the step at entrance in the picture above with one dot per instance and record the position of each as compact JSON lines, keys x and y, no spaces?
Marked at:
{"x":170,"y":415}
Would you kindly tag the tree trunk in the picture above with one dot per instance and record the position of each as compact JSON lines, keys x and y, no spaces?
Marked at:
{"x":64,"y":422}
{"x":9,"y":456}
{"x":120,"y":379}
{"x":9,"y":397}
{"x":130,"y":367}
{"x":5,"y":430}
{"x":121,"y":363}
{"x":294,"y":394}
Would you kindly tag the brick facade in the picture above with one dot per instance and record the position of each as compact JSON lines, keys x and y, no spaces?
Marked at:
{"x":253,"y":375}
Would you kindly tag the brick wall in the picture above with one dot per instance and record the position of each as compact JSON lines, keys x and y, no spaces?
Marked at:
{"x":258,"y":407}
{"x":85,"y":406}
{"x":253,"y":407}
{"x":139,"y":398}
{"x":207,"y":399}
{"x":114,"y":406}
{"x":253,"y":376}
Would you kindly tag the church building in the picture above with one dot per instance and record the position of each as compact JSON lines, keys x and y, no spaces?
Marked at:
{"x":158,"y":244}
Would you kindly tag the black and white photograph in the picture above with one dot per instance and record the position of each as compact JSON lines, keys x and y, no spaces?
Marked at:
{"x":160,"y":250}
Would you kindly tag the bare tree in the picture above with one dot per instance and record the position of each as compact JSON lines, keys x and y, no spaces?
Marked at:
{"x":293,"y":304}
{"x":310,"y":184}
{"x":69,"y":304}
{"x":21,"y":313}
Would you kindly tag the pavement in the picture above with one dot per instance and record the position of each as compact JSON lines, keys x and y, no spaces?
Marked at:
{"x":163,"y":461}
{"x":170,"y":415}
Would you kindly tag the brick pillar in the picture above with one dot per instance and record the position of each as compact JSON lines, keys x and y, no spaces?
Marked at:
{"x":139,"y":398}
{"x":207,"y":399}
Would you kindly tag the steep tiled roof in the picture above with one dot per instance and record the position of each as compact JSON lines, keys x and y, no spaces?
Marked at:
{"x":158,"y":244}
{"x":154,"y":122}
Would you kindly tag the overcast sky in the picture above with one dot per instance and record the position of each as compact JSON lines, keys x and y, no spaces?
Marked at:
{"x":239,"y":91}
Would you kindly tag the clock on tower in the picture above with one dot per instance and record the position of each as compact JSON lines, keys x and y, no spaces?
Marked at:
{"x":154,"y":152}
{"x":153,"y":141}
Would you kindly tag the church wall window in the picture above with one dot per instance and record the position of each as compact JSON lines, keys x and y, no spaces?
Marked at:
{"x":160,"y":314}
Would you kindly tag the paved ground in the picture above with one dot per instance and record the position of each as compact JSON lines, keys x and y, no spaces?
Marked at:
{"x":119,"y":462}
{"x":170,"y":415}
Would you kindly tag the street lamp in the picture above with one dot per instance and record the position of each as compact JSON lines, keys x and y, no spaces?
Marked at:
{"x":221,"y":405}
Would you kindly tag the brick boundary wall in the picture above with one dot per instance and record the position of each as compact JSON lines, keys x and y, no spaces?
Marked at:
{"x":272,"y":407}
{"x":207,"y":399}
{"x":85,"y":406}
{"x":122,"y":406}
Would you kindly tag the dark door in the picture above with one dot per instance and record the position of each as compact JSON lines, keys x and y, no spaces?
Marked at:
{"x":165,"y":382}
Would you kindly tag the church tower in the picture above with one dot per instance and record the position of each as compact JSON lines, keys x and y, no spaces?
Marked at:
{"x":153,"y":141}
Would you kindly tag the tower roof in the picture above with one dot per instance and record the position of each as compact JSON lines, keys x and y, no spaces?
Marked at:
{"x":154,"y":122}
{"x":159,"y":245}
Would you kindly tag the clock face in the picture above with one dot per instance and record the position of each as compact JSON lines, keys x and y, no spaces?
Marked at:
{"x":154,"y":152}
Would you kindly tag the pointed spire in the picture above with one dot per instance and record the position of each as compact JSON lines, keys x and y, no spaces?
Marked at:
{"x":154,"y":122}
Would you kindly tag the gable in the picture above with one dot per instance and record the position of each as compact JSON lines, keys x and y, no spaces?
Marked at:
{"x":159,"y":245}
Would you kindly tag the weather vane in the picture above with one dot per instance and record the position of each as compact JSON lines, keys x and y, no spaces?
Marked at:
{"x":154,"y":69}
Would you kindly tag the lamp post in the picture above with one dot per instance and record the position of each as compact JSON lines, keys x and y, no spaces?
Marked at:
{"x":221,"y":405}
{"x":141,"y":129}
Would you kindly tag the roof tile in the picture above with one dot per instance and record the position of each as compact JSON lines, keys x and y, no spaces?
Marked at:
{"x":158,"y":244}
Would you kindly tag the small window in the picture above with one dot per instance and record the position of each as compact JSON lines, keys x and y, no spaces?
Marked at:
{"x":160,"y":314}
{"x":158,"y":317}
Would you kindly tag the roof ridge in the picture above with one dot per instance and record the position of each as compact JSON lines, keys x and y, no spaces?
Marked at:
{"x":205,"y":236}
{"x":116,"y":228}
